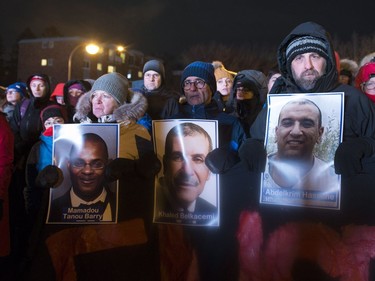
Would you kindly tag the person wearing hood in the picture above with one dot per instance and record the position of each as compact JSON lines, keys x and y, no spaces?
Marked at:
{"x":307,"y":63}
{"x":365,"y":80}
{"x":72,"y":91}
{"x":26,"y":123}
{"x":57,"y":94}
{"x":248,"y":96}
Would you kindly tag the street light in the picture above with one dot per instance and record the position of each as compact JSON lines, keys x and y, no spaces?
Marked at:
{"x":92,"y":49}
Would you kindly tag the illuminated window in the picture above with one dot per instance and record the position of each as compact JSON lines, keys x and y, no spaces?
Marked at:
{"x":43,"y":62}
{"x":99,"y":67}
{"x":111,"y":68}
{"x":122,"y":55}
{"x":140,"y":73}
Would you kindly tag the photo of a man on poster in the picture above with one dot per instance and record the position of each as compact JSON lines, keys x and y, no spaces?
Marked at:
{"x":302,"y":176}
{"x":185,"y":177}
{"x":89,"y":198}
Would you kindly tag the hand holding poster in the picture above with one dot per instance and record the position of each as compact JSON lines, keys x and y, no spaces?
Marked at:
{"x":302,"y":134}
{"x":82,"y":153}
{"x":186,"y":192}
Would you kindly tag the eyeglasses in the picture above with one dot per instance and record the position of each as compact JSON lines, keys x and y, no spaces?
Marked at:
{"x":95,"y":165}
{"x":369,"y":85}
{"x":199,"y":84}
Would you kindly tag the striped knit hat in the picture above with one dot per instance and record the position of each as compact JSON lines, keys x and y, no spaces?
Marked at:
{"x":306,"y":44}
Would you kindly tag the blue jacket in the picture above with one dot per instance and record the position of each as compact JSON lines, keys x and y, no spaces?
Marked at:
{"x":231,"y":133}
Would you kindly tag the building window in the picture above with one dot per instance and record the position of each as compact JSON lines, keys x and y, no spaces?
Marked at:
{"x":50,"y":62}
{"x":99,"y":67}
{"x":122,"y":56}
{"x":48,"y":44}
{"x":111,"y":68}
{"x":43,"y":62}
{"x":86,"y":64}
{"x":140,"y":74}
{"x":131,"y":60}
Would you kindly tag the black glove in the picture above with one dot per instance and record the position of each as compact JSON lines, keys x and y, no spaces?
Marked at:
{"x":1,"y":209}
{"x":50,"y":176}
{"x":118,"y":168}
{"x":221,"y":160}
{"x":148,"y":165}
{"x":253,"y":153}
{"x":349,"y":154}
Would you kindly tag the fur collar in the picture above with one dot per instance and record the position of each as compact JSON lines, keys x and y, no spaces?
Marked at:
{"x":133,"y":109}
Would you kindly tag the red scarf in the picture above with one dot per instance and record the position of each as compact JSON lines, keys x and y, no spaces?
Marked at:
{"x":48,"y":132}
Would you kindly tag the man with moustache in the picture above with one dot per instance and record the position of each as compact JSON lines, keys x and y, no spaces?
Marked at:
{"x":294,"y":165}
{"x":185,"y":175}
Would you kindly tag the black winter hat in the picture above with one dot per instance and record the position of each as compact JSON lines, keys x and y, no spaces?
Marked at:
{"x":306,"y":44}
{"x":203,"y":70}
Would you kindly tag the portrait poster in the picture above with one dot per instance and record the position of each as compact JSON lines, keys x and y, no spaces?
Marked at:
{"x":83,"y":196}
{"x":186,"y":192}
{"x":302,"y":134}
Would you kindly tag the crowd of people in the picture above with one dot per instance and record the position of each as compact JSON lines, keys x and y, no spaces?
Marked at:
{"x":241,"y":248}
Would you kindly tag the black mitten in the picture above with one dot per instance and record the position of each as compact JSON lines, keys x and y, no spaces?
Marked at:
{"x":221,"y":160}
{"x":120,"y":167}
{"x":148,"y":165}
{"x":349,"y":154}
{"x":253,"y":153}
{"x":50,"y":176}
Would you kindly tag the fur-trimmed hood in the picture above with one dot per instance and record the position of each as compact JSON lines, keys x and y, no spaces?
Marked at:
{"x":133,"y":109}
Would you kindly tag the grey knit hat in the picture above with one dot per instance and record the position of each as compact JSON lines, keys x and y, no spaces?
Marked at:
{"x":114,"y":84}
{"x":156,"y":66}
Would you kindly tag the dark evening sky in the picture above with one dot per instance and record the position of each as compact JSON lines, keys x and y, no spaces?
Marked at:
{"x":172,"y":26}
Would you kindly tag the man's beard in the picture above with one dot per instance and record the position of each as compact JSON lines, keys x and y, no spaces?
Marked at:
{"x":306,"y":84}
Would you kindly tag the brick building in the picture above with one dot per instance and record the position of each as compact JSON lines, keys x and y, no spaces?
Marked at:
{"x":52,"y":55}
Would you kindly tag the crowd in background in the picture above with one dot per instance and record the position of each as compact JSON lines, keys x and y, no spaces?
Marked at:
{"x":237,"y":99}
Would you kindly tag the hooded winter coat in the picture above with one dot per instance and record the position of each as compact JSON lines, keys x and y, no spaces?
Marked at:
{"x":290,"y":243}
{"x":359,"y":117}
{"x":27,"y":128}
{"x":247,"y":110}
{"x":134,"y":138}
